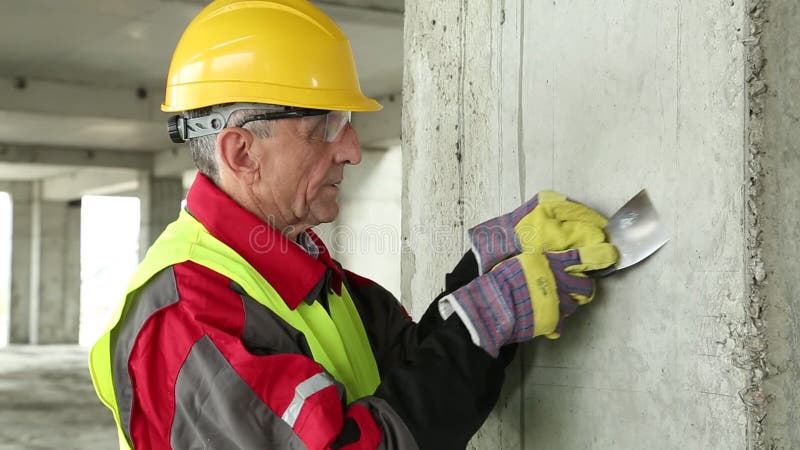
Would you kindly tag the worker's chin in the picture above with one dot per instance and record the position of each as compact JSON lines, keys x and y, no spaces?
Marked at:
{"x":326,"y":212}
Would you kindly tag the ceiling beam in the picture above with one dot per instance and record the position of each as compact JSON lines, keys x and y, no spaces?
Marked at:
{"x":389,"y":6}
{"x":74,"y":131}
{"x":75,"y":157}
{"x":32,"y":95}
{"x":74,"y":185}
{"x":387,"y":14}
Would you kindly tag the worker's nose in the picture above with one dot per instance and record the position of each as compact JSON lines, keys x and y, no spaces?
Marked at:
{"x":348,"y":149}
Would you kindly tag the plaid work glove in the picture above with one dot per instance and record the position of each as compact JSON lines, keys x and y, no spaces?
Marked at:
{"x":527,"y":295}
{"x":545,"y":223}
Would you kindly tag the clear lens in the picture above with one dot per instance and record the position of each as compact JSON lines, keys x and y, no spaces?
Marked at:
{"x":336,"y":122}
{"x":327,"y":128}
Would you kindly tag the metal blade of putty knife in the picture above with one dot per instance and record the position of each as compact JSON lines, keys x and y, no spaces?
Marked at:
{"x":636,"y":232}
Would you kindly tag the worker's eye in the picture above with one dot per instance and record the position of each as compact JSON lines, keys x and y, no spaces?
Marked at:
{"x":313,"y":127}
{"x":326,"y":127}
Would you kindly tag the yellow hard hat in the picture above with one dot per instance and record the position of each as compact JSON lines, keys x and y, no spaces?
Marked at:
{"x":283,"y":52}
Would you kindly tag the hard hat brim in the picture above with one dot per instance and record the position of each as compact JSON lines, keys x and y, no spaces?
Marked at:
{"x":205,"y":94}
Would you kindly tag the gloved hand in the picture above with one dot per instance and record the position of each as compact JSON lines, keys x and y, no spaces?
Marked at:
{"x":547,"y":222}
{"x":527,"y":295}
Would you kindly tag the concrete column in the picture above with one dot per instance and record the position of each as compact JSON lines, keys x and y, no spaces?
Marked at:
{"x":459,"y":88}
{"x":59,"y":273}
{"x":160,"y":204}
{"x":774,"y":209}
{"x":45,"y":268}
{"x":695,"y":348}
{"x":5,"y":262}
{"x":21,"y":251}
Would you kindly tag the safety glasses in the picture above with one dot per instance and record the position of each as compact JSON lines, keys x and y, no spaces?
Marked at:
{"x":317,"y":124}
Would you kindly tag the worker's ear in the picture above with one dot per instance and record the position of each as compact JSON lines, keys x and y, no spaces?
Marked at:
{"x":235,"y":150}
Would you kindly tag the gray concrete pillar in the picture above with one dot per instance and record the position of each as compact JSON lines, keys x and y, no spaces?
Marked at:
{"x":45,"y":268}
{"x":5,"y":262}
{"x":160,"y":204}
{"x":60,"y":277}
{"x":774,"y":211}
{"x":22,"y":202}
{"x":697,"y":102}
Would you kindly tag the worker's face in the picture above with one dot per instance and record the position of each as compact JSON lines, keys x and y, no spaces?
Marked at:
{"x":299,"y":176}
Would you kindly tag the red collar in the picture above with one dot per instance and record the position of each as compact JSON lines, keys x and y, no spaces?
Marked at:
{"x":287,"y":267}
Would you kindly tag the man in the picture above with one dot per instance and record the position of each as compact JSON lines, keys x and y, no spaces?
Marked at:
{"x":239,"y":330}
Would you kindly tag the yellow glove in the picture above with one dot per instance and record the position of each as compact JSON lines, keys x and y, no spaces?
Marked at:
{"x":547,"y":222}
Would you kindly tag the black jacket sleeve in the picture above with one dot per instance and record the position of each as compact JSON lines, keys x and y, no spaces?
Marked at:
{"x":434,"y":378}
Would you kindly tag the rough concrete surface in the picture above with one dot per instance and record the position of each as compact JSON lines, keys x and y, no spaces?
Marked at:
{"x":776,"y":89}
{"x":643,"y":95}
{"x":47,"y":401}
{"x":751,"y":350}
{"x":453,"y":157}
{"x":503,"y":99}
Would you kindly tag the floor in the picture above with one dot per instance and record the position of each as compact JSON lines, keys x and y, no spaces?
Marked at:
{"x":47,"y":401}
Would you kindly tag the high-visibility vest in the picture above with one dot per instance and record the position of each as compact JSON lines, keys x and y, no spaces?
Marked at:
{"x":337,"y":339}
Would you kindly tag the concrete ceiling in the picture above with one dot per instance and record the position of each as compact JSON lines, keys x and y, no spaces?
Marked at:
{"x":129,"y":43}
{"x":23,"y":171}
{"x":90,"y":73}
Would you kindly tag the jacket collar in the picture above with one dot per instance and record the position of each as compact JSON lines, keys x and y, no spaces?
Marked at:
{"x":284,"y":264}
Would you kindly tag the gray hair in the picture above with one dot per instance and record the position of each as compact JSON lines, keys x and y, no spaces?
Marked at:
{"x":203,"y":149}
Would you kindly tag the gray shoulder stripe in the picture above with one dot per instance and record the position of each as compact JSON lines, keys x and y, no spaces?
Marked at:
{"x":216,"y":409}
{"x":159,"y":292}
{"x":303,"y":391}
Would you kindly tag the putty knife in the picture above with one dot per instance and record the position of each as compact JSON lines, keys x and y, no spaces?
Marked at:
{"x":636,"y":232}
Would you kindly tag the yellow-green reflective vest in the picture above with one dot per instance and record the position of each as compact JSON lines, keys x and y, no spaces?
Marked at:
{"x":337,"y":340}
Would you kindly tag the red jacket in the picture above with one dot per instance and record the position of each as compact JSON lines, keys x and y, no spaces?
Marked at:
{"x":199,"y":364}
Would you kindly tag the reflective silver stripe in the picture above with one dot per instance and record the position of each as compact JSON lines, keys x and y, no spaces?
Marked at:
{"x":216,"y":409}
{"x":303,"y":391}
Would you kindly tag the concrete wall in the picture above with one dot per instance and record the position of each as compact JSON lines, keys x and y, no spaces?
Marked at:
{"x":502,"y":99}
{"x":775,"y":157}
